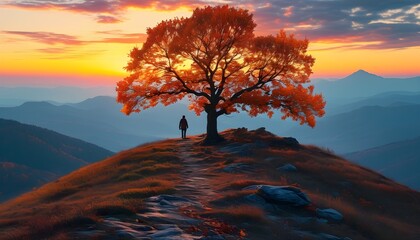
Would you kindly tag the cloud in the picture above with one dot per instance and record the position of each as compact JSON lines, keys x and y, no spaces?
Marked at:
{"x":48,"y":37}
{"x":120,"y":37}
{"x":54,"y":50}
{"x":107,"y":19}
{"x":392,"y":23}
{"x":90,"y":6}
{"x":72,"y":52}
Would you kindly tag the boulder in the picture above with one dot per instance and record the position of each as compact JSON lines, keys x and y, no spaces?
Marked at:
{"x":281,"y":195}
{"x":285,"y":142}
{"x":291,"y":141}
{"x":329,"y":214}
{"x":287,"y":168}
{"x":239,"y":149}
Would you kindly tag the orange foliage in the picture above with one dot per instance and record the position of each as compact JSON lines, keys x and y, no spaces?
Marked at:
{"x":214,"y":59}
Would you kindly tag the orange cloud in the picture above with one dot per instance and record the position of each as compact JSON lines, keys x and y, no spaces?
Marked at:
{"x":48,"y":37}
{"x":107,"y":19}
{"x":64,"y":39}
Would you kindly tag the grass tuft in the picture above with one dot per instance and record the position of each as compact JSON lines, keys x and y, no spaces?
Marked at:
{"x":238,"y":214}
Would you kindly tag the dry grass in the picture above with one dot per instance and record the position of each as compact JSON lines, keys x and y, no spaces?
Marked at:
{"x":373,"y":206}
{"x":238,"y":214}
{"x":84,"y":196}
{"x":232,"y":198}
{"x":239,"y":184}
{"x":150,"y":188}
{"x":374,"y":224}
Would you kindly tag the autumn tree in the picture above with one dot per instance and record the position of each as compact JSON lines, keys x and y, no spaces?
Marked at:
{"x":214,"y":59}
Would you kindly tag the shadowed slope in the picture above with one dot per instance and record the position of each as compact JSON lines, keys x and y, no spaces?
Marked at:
{"x":398,"y":160}
{"x":31,"y":156}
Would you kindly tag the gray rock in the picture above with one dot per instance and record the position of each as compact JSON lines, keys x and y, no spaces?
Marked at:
{"x":318,"y":236}
{"x":124,"y":235}
{"x":281,"y":194}
{"x":169,"y":233}
{"x":213,"y":236}
{"x":326,"y":236}
{"x":287,"y":168}
{"x":286,"y":142}
{"x":271,"y":159}
{"x":329,"y":214}
{"x":237,"y":168}
{"x":291,"y":141}
{"x":252,"y":187}
{"x":255,"y":199}
{"x":239,"y":149}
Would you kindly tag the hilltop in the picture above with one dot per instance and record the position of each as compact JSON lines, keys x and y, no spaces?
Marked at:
{"x":255,"y":185}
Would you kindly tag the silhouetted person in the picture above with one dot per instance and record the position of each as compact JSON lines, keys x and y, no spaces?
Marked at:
{"x":183,"y":125}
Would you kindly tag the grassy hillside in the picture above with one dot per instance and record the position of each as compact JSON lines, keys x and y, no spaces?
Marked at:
{"x":31,"y":156}
{"x":113,"y":199}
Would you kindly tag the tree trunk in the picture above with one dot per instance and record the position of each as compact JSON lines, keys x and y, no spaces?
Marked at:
{"x":212,"y":136}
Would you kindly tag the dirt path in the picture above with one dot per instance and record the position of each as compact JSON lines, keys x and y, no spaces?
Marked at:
{"x":194,"y":183}
{"x":170,"y":217}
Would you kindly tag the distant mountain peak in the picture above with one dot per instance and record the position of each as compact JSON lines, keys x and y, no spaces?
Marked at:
{"x":37,"y":104}
{"x":362,"y":74}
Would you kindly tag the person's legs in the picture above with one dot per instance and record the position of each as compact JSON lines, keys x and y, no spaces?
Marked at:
{"x":183,"y":133}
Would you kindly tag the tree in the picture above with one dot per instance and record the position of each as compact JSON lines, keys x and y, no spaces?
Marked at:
{"x":214,"y":59}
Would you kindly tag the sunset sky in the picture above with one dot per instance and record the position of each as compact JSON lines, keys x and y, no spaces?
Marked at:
{"x":86,"y":42}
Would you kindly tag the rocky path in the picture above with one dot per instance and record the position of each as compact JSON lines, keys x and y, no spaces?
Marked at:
{"x":194,"y":183}
{"x":169,"y":217}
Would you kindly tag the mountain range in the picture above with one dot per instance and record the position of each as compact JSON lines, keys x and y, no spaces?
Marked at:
{"x":362,"y":84}
{"x":31,"y":156}
{"x":371,"y":119}
{"x":98,"y":120}
{"x":105,"y":127}
{"x":398,"y":160}
{"x":14,"y":96}
{"x":363,"y":128}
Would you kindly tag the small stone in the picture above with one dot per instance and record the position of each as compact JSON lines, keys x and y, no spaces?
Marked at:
{"x":281,"y":194}
{"x":326,"y":236}
{"x":329,"y":214}
{"x":287,"y":168}
{"x":236,"y":168}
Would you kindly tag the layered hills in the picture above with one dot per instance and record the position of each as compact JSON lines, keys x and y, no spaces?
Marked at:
{"x":254,"y":185}
{"x":31,"y":156}
{"x":398,"y":160}
{"x":363,"y":128}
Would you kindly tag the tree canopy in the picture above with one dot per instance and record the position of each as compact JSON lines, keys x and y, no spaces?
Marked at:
{"x":214,"y":59}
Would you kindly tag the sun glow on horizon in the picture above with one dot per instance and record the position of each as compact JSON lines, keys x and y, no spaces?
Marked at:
{"x":34,"y":42}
